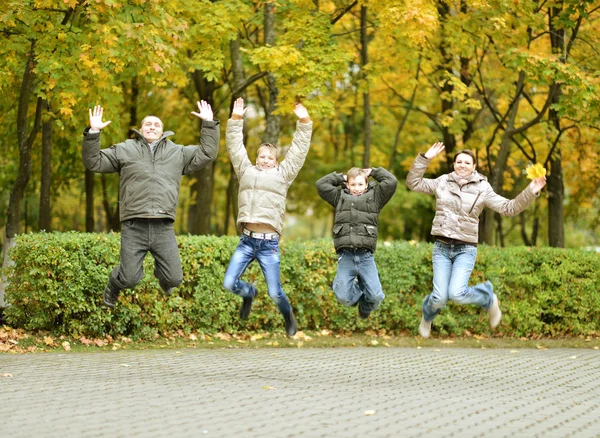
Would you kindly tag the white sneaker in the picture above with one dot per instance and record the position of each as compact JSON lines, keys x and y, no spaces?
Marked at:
{"x":425,"y":328}
{"x":495,"y":313}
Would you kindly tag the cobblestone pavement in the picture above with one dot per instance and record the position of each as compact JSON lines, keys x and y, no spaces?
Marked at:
{"x":337,"y":392}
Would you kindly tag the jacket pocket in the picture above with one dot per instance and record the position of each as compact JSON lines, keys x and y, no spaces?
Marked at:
{"x":371,"y":230}
{"x":337,"y":229}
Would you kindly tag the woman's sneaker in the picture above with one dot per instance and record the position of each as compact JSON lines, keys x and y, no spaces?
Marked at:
{"x":425,"y":328}
{"x":495,"y":313}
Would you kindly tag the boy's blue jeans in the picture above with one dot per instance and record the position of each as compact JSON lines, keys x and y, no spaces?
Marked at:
{"x":357,"y":280}
{"x":452,"y":267}
{"x":266,"y":253}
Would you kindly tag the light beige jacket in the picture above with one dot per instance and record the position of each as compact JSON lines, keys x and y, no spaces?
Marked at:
{"x":457,"y":209}
{"x":262,"y":194}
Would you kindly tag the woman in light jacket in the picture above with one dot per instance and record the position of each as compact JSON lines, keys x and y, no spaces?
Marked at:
{"x":460,"y":198}
{"x":261,"y":206}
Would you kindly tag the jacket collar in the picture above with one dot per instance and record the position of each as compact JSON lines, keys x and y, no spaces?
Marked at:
{"x":139,"y":136}
{"x":477,"y":177}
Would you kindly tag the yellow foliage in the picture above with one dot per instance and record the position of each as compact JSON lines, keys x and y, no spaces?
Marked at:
{"x":534,"y":171}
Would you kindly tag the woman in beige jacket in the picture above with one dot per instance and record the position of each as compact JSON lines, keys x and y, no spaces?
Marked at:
{"x":460,"y":198}
{"x":261,"y":204}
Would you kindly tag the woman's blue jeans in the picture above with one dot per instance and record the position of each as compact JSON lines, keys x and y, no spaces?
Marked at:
{"x":452,"y":267}
{"x":357,"y":280}
{"x":266,"y":253}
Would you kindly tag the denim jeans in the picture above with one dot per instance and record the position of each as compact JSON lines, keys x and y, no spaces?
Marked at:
{"x":138,"y":236}
{"x":266,"y":253}
{"x":357,"y":280}
{"x":452,"y":267}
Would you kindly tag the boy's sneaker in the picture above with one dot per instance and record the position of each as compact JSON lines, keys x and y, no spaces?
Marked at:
{"x":363,"y":314}
{"x":495,"y":313}
{"x":110,"y":297}
{"x":425,"y":328}
{"x":247,"y":305}
{"x":291,"y":326}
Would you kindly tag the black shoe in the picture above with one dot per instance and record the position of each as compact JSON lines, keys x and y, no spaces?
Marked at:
{"x":291,"y":326}
{"x":246,"y":308}
{"x":362,"y":313}
{"x":110,"y":297}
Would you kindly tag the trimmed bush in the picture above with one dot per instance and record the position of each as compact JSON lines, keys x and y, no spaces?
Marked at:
{"x":57,"y":281}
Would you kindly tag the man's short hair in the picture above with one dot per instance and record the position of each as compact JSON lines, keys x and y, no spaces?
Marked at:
{"x":150,"y":115}
{"x":354,"y":172}
{"x":271,"y":148}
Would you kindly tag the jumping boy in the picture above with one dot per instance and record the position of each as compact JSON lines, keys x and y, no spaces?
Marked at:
{"x":357,"y":205}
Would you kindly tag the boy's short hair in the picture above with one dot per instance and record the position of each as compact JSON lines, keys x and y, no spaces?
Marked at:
{"x":354,"y":172}
{"x":271,"y":148}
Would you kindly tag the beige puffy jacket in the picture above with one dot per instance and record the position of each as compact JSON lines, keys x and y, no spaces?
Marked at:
{"x":262,"y":193}
{"x":457,"y":209}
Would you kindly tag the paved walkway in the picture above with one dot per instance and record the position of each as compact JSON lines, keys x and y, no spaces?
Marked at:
{"x":362,"y":392}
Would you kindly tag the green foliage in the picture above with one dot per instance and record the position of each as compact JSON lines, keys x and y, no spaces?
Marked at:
{"x":57,"y":281}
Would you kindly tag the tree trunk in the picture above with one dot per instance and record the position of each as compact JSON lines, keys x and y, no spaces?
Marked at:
{"x":133,"y":107}
{"x":556,"y":196}
{"x":112,"y":217}
{"x":273,"y":127}
{"x":25,"y":141}
{"x":556,"y":188}
{"x":199,"y":210}
{"x":46,"y":177}
{"x":89,"y":201}
{"x":497,"y":176}
{"x":237,"y":68}
{"x":364,"y":59}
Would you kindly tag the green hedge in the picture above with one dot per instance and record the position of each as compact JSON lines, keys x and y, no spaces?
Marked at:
{"x":58,"y":278}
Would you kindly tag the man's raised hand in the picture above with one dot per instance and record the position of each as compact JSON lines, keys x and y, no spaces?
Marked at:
{"x":96,"y":123}
{"x":238,"y":109}
{"x":204,"y":111}
{"x":302,"y":113}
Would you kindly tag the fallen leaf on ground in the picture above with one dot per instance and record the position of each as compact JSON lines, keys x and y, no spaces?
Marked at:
{"x":6,"y":375}
{"x":99,"y":342}
{"x":268,"y":388}
{"x":371,"y":412}
{"x":573,"y":357}
{"x":66,"y":346}
{"x":514,"y":351}
{"x":374,"y":342}
{"x":49,"y":341}
{"x":223,"y":336}
{"x":193,"y":337}
{"x":447,"y":341}
{"x":85,"y":341}
{"x":126,"y":365}
{"x":325,"y":332}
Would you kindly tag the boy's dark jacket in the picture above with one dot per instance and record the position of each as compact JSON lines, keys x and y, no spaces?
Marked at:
{"x":357,"y":217}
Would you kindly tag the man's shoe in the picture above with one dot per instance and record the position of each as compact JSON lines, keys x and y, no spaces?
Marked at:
{"x":110,"y":297}
{"x":495,"y":313}
{"x":291,"y":326}
{"x":425,"y":328}
{"x":362,"y":313}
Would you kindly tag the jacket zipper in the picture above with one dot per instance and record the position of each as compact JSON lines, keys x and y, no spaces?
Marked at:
{"x":473,"y":206}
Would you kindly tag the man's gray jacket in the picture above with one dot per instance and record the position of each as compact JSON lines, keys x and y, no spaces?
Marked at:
{"x":149,"y":182}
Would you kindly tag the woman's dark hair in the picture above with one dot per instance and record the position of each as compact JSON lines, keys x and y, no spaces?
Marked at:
{"x":466,"y":152}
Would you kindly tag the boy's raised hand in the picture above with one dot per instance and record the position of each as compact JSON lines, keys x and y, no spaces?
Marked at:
{"x":238,"y":109}
{"x":96,"y":123}
{"x":302,"y":113}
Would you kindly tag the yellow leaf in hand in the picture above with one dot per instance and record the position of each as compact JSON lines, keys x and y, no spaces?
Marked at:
{"x":534,"y":171}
